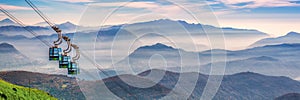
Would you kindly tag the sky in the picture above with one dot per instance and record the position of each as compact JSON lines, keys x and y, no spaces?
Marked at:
{"x":275,"y":17}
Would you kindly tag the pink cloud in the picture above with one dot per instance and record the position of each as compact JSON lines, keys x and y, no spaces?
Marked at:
{"x":11,"y":7}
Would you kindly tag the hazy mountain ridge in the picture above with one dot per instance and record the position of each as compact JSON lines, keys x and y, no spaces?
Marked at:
{"x":291,"y":37}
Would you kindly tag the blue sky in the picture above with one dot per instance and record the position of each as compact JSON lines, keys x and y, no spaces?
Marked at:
{"x":276,"y":17}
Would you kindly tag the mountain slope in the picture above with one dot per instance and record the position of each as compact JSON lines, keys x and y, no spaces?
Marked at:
{"x":291,"y":37}
{"x":59,"y":86}
{"x":9,"y":91}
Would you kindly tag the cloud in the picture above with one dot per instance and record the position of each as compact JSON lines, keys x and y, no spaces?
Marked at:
{"x":148,"y":5}
{"x":76,"y":1}
{"x":11,"y":7}
{"x":127,"y":4}
{"x":239,"y":4}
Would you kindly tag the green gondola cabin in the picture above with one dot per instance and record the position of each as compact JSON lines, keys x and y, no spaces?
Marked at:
{"x":73,"y":69}
{"x":65,"y":61}
{"x":55,"y":54}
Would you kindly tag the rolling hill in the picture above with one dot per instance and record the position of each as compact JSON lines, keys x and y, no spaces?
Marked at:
{"x":9,"y":91}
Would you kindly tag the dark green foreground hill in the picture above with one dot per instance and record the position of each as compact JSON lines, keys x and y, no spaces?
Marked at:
{"x":9,"y":91}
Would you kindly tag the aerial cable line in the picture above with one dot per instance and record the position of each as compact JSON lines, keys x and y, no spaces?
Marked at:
{"x":40,"y":13}
{"x":36,"y":35}
{"x":49,"y":45}
{"x":46,"y":19}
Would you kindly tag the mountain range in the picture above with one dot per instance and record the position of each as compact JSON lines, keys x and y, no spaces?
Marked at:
{"x":182,"y":29}
{"x":246,"y":85}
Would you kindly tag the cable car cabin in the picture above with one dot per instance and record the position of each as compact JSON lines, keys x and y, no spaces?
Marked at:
{"x":65,"y":62}
{"x":55,"y":53}
{"x":73,"y":70}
